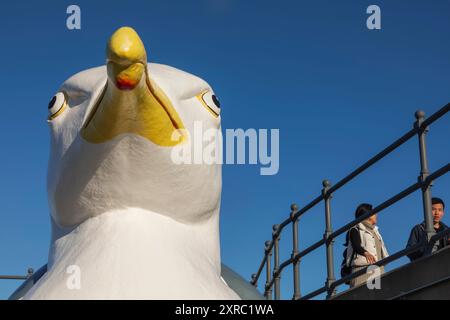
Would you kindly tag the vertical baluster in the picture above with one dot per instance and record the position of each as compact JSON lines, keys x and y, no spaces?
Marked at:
{"x":296,"y":263}
{"x":329,"y":242}
{"x":424,"y":173}
{"x":268,"y":288}
{"x":276,"y":269}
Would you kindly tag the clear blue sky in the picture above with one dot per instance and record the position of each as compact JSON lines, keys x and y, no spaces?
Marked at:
{"x":338,"y":92}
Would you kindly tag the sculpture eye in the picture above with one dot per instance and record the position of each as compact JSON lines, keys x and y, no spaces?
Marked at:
{"x":210,"y":102}
{"x":56,"y":106}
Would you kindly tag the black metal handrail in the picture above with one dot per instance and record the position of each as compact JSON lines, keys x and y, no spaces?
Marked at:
{"x":395,"y":256}
{"x":363,"y":217}
{"x":424,"y":182}
{"x":379,"y":263}
{"x":30,"y":272}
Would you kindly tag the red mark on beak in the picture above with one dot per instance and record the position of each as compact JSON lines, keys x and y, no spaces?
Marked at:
{"x":125,"y":83}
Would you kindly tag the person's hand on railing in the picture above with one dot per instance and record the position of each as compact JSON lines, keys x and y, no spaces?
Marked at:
{"x":370,"y":258}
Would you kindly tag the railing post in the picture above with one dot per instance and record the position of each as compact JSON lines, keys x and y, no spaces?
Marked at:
{"x":424,"y":173}
{"x":296,"y":264}
{"x":329,"y":242}
{"x":268,"y":253}
{"x":276,"y":255}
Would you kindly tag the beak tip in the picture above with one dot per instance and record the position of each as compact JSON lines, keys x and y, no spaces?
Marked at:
{"x":126,"y":47}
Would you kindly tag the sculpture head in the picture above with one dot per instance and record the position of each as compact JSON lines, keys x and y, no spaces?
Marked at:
{"x":113,"y":130}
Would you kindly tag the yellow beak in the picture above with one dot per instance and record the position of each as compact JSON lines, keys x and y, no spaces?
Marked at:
{"x":132,"y":102}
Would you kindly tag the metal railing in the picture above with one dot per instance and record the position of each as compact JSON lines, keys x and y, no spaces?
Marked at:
{"x":425,"y":179}
{"x":30,"y":272}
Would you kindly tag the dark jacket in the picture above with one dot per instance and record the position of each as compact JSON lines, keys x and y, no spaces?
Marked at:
{"x":418,"y":234}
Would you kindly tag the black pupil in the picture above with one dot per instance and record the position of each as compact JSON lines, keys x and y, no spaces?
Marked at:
{"x":51,"y":103}
{"x":216,"y":101}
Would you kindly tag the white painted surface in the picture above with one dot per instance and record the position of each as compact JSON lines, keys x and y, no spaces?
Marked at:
{"x":137,"y":225}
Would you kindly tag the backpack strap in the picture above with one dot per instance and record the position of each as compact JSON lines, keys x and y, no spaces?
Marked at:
{"x":353,"y":255}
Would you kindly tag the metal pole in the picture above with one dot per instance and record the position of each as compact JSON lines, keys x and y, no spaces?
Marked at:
{"x":329,"y":242}
{"x":30,"y":273}
{"x":424,"y":173}
{"x":13,"y":277}
{"x":268,"y":253}
{"x":296,"y":264}
{"x":276,"y":269}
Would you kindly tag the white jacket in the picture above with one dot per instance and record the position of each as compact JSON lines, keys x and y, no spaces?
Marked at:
{"x":368,"y":244}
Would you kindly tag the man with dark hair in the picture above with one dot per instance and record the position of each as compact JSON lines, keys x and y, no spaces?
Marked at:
{"x":418,"y":233}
